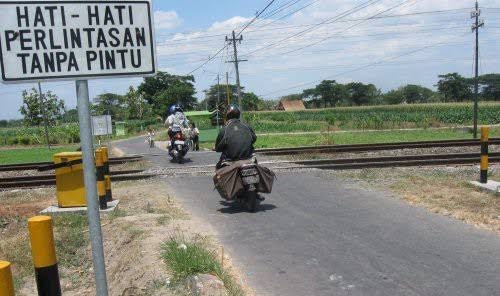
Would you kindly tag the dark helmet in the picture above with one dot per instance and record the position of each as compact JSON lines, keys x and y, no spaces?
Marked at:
{"x":233,"y":112}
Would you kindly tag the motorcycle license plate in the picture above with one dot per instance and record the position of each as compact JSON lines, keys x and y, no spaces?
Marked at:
{"x":179,"y":142}
{"x":250,"y":180}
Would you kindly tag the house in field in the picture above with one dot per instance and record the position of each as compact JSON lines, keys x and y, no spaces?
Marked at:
{"x":291,"y":105}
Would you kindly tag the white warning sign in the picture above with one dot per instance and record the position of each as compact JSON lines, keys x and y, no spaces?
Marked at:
{"x":50,"y":40}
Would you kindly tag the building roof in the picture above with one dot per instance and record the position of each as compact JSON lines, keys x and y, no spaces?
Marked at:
{"x":291,"y":105}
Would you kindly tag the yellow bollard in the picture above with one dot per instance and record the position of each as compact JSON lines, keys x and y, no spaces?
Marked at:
{"x":484,"y":154}
{"x":101,"y":182}
{"x":6,"y":283}
{"x":44,"y":256}
{"x":107,"y":174}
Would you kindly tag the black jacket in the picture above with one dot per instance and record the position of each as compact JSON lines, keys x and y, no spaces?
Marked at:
{"x":235,"y":141}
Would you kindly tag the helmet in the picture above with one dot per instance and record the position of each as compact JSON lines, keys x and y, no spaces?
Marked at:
{"x":233,"y":112}
{"x":175,"y":108}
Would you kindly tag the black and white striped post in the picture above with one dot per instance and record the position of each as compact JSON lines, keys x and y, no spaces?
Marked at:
{"x":484,"y":154}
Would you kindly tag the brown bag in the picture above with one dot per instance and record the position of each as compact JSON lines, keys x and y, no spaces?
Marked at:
{"x":267,"y":178}
{"x":228,"y":183}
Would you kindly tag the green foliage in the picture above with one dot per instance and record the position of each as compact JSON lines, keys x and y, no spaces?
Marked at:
{"x":454,"y":87}
{"x":410,"y":94}
{"x":195,"y":259}
{"x":375,"y":117}
{"x":329,"y":93}
{"x":35,"y":108}
{"x":490,"y":84}
{"x":62,"y":134}
{"x":163,"y":90}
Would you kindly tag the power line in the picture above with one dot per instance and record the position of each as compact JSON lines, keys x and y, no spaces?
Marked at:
{"x":352,"y":26}
{"x":361,"y":67}
{"x":225,"y":45}
{"x":337,"y":17}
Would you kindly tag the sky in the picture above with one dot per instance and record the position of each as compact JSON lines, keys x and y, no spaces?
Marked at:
{"x":297,"y":43}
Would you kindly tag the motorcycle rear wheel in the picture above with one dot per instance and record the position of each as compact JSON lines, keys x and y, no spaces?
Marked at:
{"x":251,"y":201}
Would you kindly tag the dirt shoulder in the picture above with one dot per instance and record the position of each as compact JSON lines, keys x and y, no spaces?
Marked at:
{"x":134,"y":237}
{"x":444,"y":190}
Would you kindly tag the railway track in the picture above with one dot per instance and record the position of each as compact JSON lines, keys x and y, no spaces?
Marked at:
{"x":373,"y":147}
{"x":396,"y":161}
{"x":37,"y":165}
{"x":50,"y":180}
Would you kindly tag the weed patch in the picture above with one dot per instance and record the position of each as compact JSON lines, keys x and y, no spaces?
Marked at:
{"x":187,"y":258}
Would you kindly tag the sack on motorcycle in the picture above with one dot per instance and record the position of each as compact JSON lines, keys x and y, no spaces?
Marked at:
{"x":266,"y":180}
{"x":228,"y":182}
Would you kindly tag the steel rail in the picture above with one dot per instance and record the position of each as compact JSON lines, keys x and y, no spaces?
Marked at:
{"x":405,"y":163}
{"x":389,"y":159}
{"x":36,"y":165}
{"x":52,"y":182}
{"x":373,"y":147}
{"x":53,"y":177}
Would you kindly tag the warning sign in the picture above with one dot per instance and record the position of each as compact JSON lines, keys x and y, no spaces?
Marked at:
{"x":43,"y":40}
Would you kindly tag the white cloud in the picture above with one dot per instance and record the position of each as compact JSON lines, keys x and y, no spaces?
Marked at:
{"x":167,"y":19}
{"x":270,"y":67}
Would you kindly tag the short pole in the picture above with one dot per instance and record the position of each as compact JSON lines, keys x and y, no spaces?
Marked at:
{"x":6,"y":282}
{"x":43,"y":252}
{"x":107,"y":174}
{"x":101,"y":182}
{"x":484,"y":154}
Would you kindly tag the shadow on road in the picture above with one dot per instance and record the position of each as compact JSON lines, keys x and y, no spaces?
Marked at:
{"x":184,"y":161}
{"x":235,"y":208}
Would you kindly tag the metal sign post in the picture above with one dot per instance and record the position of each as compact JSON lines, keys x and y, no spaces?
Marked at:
{"x":78,"y":40}
{"x":90,"y":180}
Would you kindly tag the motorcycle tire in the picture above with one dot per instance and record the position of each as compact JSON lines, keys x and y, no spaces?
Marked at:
{"x":252,"y":202}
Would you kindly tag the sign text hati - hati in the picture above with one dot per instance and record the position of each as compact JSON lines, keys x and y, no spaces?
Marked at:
{"x":110,"y":38}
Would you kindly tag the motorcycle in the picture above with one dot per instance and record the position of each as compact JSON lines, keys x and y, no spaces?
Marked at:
{"x":178,"y":146}
{"x":250,"y":178}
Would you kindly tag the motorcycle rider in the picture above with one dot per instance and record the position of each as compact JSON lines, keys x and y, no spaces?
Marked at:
{"x":235,"y":139}
{"x":176,"y":122}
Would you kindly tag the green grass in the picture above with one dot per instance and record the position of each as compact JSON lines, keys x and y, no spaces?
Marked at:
{"x":36,"y":154}
{"x":208,"y":135}
{"x":276,"y":141}
{"x":195,"y":259}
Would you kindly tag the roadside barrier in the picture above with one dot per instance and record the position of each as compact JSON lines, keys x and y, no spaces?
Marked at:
{"x":101,"y":182}
{"x":44,"y":256}
{"x":6,"y":283}
{"x":107,"y":174}
{"x":484,"y":154}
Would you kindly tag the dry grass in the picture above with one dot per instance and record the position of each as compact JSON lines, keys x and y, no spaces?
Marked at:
{"x":443,"y":190}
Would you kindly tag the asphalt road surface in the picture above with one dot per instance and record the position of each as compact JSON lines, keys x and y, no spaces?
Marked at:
{"x":318,"y":235}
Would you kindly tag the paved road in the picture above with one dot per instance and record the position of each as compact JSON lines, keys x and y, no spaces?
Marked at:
{"x":317,"y":235}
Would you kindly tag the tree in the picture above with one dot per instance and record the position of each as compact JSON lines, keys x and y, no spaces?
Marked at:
{"x":163,"y":90}
{"x":33,"y":110}
{"x":328,"y":91}
{"x":453,"y":87}
{"x":251,"y":102}
{"x":410,"y":94}
{"x":211,"y":95}
{"x":361,"y":94}
{"x":136,"y":107}
{"x":110,"y":104}
{"x":490,"y":87}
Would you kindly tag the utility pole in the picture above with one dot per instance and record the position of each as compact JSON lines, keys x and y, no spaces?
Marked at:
{"x":227,"y":90}
{"x":218,"y":100}
{"x":236,"y":63}
{"x":44,"y":114}
{"x":478,"y":24}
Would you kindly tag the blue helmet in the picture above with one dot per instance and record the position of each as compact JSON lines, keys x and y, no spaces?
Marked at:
{"x":175,"y":108}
